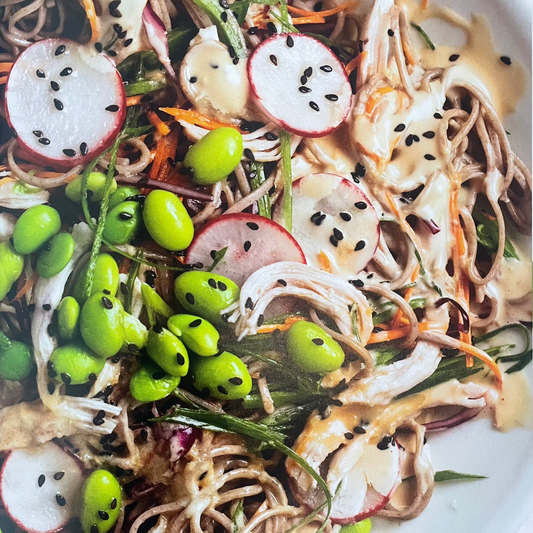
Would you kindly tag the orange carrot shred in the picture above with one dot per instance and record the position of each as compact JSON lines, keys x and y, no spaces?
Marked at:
{"x":289,"y":321}
{"x":193,"y":117}
{"x":159,"y":125}
{"x":133,"y":100}
{"x":30,"y":282}
{"x":424,"y":4}
{"x":375,"y":96}
{"x":355,"y":62}
{"x":88,"y":5}
{"x":316,"y":19}
{"x":345,"y":6}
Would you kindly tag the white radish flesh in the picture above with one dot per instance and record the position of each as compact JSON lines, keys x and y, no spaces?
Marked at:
{"x":300,"y":84}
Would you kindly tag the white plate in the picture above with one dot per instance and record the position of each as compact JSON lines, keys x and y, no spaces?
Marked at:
{"x":501,"y":503}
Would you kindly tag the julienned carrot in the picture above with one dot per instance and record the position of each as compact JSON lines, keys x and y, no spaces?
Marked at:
{"x":482,"y":356}
{"x":355,"y":62}
{"x":397,"y":320}
{"x":3,"y":181}
{"x":289,"y":321}
{"x":193,"y":117}
{"x":90,"y":11}
{"x":375,"y":96}
{"x":30,"y":282}
{"x":326,"y":13}
{"x":316,"y":19}
{"x":166,"y":148}
{"x":159,"y":125}
{"x":133,"y":100}
{"x":424,"y":4}
{"x":3,"y":79}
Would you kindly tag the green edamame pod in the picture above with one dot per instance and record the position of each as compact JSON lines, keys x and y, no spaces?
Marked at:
{"x":101,"y":502}
{"x":151,"y":383}
{"x":312,"y":349}
{"x":106,"y":277}
{"x":224,"y":376}
{"x":16,"y":359}
{"x":68,"y":317}
{"x":56,"y":255}
{"x":154,"y":304}
{"x":11,"y":267}
{"x":365,"y":526}
{"x":123,"y":223}
{"x":197,"y":334}
{"x":135,"y":334}
{"x":206,"y":294}
{"x":167,"y":220}
{"x":95,"y":187}
{"x":34,"y":228}
{"x":75,"y":364}
{"x":102,"y":324}
{"x":215,"y":156}
{"x":167,"y":351}
{"x":122,"y":194}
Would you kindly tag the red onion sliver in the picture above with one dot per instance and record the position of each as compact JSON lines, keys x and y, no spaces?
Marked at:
{"x":455,"y":420}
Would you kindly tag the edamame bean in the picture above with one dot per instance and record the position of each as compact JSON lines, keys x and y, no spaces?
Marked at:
{"x":101,"y":502}
{"x":206,"y":294}
{"x":365,"y":526}
{"x":16,"y":359}
{"x":68,"y":317}
{"x":135,"y":334}
{"x":56,"y":255}
{"x":312,"y":349}
{"x":224,"y":376}
{"x":102,"y":324}
{"x":35,"y":226}
{"x":123,"y":223}
{"x":198,"y":334}
{"x":106,"y":277}
{"x":167,"y":351}
{"x":151,"y":383}
{"x":95,"y":187}
{"x":167,"y":220}
{"x":74,"y":364}
{"x":214,"y":156}
{"x":11,"y":267}
{"x":122,"y":194}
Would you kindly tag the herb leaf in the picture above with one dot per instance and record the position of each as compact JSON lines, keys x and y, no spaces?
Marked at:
{"x":487,"y":235}
{"x":264,"y":202}
{"x":451,"y":475}
{"x":425,"y":36}
{"x":285,"y":139}
{"x":219,"y":255}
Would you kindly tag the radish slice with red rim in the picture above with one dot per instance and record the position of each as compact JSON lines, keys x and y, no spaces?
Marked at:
{"x":252,"y":241}
{"x":334,"y":223}
{"x":300,"y":84}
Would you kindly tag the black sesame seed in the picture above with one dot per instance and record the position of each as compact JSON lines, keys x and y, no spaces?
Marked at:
{"x":69,"y":152}
{"x":59,"y":475}
{"x":399,"y":127}
{"x":505,"y":60}
{"x":247,"y":246}
{"x":112,"y":108}
{"x":249,"y":303}
{"x":143,"y":181}
{"x":236,"y":60}
{"x":224,"y":4}
{"x":437,"y":115}
{"x":108,"y":304}
{"x":41,"y":480}
{"x":98,"y":47}
{"x":260,"y":320}
{"x":360,"y":170}
{"x":304,"y":90}
{"x":125,"y":216}
{"x":386,"y":442}
{"x":222,"y":286}
{"x":190,"y":298}
{"x":180,"y":359}
{"x":390,"y":33}
{"x":361,"y":46}
{"x":346,"y":217}
{"x":44,"y":140}
{"x":357,"y":283}
{"x":103,"y":515}
{"x":59,"y":499}
{"x":51,"y":388}
{"x":339,"y":235}
{"x":410,"y":140}
{"x":314,"y":106}
{"x":114,"y":5}
{"x":158,"y":375}
{"x":337,"y":403}
{"x":454,"y":57}
{"x":195,"y":323}
{"x":235,"y":381}
{"x":65,"y":378}
{"x":282,"y":282}
{"x":157,"y":328}
{"x":308,"y":72}
{"x":47,"y":307}
{"x":326,"y":68}
{"x":334,"y":241}
{"x":318,"y":218}
{"x":416,"y":138}
{"x":290,"y":41}
{"x":252,"y":30}
{"x":303,"y":80}
{"x":269,"y":136}
{"x":360,"y":245}
{"x":430,"y":157}
{"x":55,"y":86}
{"x":60,"y":49}
{"x":51,"y":330}
{"x":113,"y":503}
{"x":38,"y":133}
{"x":349,"y":435}
{"x":133,"y":348}
{"x":222,"y":389}
{"x":429,"y":134}
{"x":212,"y":283}
{"x":84,"y":149}
{"x":94,"y":529}
{"x":361,"y":205}
{"x":332,"y":97}
{"x":122,"y":34}
{"x":40,"y":73}
{"x":224,"y":16}
{"x":115,"y":13}
{"x":249,"y":154}
{"x":272,"y":27}
{"x":127,"y":42}
{"x":318,"y":342}
{"x":273,"y":59}
{"x":194,"y":79}
{"x":147,"y":98}
{"x":252,"y":225}
{"x":359,"y":430}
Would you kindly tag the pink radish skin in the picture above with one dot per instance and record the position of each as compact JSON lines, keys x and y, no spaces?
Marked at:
{"x":333,"y":197}
{"x":35,"y":508}
{"x":275,"y":72}
{"x":268,"y":243}
{"x":32,"y":112}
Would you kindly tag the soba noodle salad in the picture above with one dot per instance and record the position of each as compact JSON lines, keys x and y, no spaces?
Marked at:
{"x":252,"y":254}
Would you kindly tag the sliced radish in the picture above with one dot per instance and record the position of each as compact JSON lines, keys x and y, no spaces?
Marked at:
{"x":300,"y":84}
{"x":334,"y":223}
{"x":253,"y":242}
{"x":65,"y":102}
{"x":40,"y":486}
